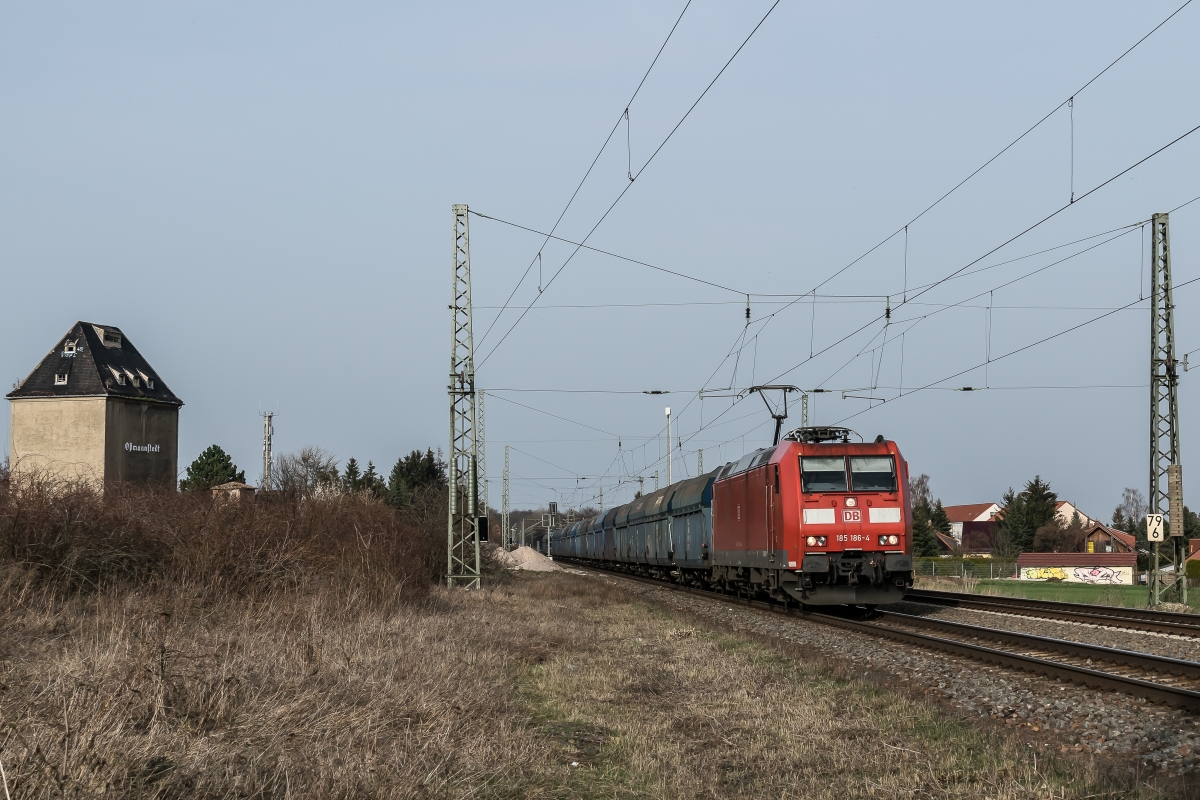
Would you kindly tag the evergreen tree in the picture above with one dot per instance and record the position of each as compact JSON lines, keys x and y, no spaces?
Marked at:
{"x":938,"y":519}
{"x":352,"y":476}
{"x":925,"y":543}
{"x":414,"y":472}
{"x":372,"y":483}
{"x":211,"y":468}
{"x":1026,"y":512}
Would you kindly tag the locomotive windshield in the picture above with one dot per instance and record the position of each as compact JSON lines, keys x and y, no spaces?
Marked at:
{"x":823,"y":474}
{"x":873,"y":473}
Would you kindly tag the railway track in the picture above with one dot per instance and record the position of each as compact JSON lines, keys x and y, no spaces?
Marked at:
{"x":1131,"y":618}
{"x":1158,"y":679}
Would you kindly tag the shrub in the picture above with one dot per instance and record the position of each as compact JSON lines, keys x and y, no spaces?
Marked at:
{"x":1193,"y":568}
{"x":71,"y":537}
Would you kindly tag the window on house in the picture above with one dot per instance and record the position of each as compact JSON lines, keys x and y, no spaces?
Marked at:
{"x":132,"y":378}
{"x":60,"y":379}
{"x":146,"y":379}
{"x":69,"y":347}
{"x":120,"y":376}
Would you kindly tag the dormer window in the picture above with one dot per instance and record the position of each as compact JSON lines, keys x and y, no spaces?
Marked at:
{"x":60,"y":379}
{"x":110,"y":337}
{"x":133,"y":379}
{"x":146,"y":379}
{"x":68,"y":349}
{"x":120,"y":376}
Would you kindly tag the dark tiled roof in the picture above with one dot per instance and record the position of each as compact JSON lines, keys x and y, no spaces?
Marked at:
{"x":90,"y":369}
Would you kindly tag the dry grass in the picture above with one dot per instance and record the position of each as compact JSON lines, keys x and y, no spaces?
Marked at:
{"x":322,"y":669}
{"x":544,"y":686}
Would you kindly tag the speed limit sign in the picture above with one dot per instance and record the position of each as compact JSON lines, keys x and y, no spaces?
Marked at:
{"x":1154,"y":527}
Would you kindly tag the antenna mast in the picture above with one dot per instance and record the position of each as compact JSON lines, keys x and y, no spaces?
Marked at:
{"x":268,"y":434}
{"x":462,"y":548}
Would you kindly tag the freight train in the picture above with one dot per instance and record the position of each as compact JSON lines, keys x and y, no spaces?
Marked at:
{"x":816,"y":518}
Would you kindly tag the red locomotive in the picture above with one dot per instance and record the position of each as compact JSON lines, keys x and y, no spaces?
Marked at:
{"x":816,"y":518}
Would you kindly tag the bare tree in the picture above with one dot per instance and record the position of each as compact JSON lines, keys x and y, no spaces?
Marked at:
{"x":918,"y":488}
{"x":307,"y":472}
{"x":1132,"y":510}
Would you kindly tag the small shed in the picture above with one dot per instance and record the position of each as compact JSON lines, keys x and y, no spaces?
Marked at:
{"x":1104,"y":539}
{"x":1094,"y":568}
{"x":234,"y":490}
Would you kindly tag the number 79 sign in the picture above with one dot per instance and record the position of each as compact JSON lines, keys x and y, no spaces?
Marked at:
{"x":1154,"y":527}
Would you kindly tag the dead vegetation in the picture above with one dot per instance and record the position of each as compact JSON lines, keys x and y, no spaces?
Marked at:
{"x":166,"y":647}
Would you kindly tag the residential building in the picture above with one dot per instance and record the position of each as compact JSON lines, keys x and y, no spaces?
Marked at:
{"x":976,"y":512}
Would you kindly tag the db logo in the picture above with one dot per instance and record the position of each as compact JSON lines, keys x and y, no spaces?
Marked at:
{"x":851,"y":515}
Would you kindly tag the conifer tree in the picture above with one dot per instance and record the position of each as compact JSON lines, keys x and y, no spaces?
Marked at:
{"x":352,"y":476}
{"x":413,"y":472}
{"x":211,"y":468}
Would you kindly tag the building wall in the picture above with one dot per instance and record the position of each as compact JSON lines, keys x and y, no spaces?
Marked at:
{"x":1118,"y":575}
{"x":142,"y":442}
{"x":62,"y":436}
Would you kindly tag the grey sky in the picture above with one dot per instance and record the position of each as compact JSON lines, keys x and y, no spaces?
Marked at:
{"x":259,"y":196}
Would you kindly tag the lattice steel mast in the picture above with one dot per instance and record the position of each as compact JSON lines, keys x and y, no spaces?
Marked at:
{"x":481,"y":469}
{"x":1166,"y":470}
{"x":506,"y":531}
{"x":462,"y":470}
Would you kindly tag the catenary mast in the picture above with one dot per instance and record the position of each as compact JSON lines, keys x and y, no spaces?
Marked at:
{"x":462,"y":566}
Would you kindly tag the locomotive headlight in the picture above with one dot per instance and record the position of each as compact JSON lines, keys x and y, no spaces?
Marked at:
{"x":851,"y":502}
{"x":893,"y":540}
{"x":811,"y":541}
{"x":883,"y":540}
{"x":821,"y":540}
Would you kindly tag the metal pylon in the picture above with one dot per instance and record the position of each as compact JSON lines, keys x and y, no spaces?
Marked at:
{"x":463,"y":526}
{"x":504,"y":523}
{"x":481,"y":444}
{"x":1166,"y":472}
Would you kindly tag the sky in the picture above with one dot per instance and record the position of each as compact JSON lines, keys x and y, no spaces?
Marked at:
{"x":259,"y":196}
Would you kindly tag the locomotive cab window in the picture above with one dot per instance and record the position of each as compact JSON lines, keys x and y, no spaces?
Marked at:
{"x":873,"y":473}
{"x":823,"y":474}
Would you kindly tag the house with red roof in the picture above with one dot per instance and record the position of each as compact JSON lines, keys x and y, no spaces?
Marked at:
{"x":975,"y":512}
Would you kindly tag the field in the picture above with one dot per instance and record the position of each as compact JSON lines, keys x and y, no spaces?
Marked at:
{"x":169,"y":647}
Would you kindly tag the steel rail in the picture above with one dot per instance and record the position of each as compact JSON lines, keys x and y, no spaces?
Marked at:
{"x":1152,"y":692}
{"x":1111,"y":616}
{"x":1129,"y":658}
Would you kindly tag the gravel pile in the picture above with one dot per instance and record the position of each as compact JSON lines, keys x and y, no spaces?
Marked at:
{"x":1052,"y":713}
{"x":1159,"y":644}
{"x":526,"y":558}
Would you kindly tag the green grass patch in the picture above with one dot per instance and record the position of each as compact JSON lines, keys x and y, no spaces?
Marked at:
{"x":1118,"y":596}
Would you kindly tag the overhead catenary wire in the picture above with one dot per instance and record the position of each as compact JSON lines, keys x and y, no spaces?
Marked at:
{"x":1111,"y":310}
{"x":1021,"y":349}
{"x":1006,"y":148}
{"x":1010,"y":240}
{"x":591,"y":166}
{"x":634,"y":178}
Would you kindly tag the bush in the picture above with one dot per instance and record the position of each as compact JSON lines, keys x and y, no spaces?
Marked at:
{"x":1193,"y":568}
{"x":70,"y":537}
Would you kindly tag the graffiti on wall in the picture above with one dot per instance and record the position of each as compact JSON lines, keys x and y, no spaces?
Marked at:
{"x":1095,"y":575}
